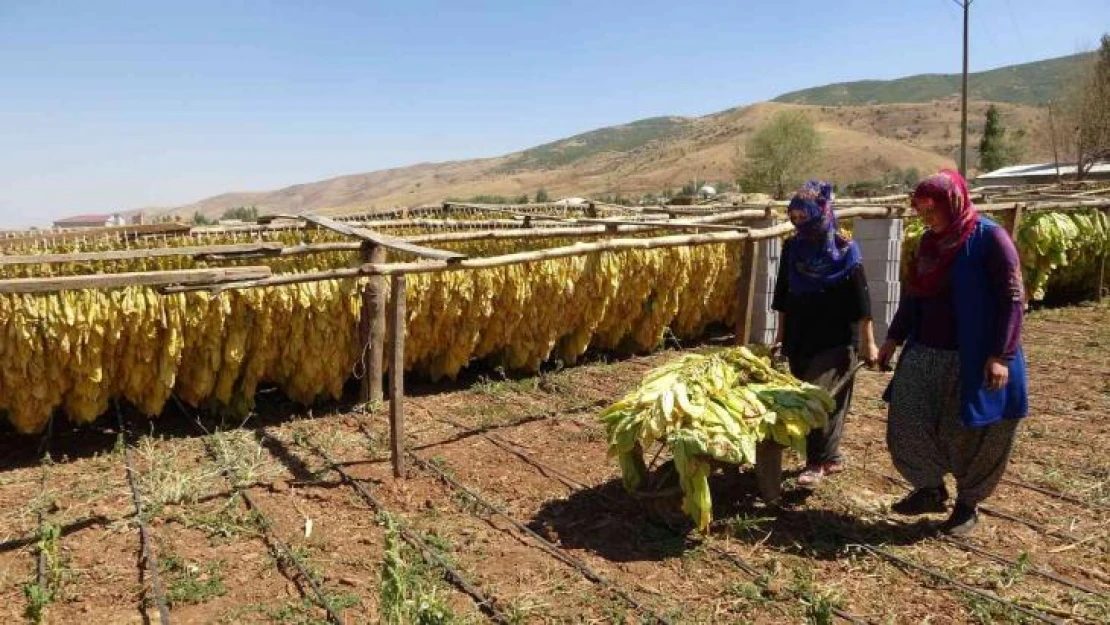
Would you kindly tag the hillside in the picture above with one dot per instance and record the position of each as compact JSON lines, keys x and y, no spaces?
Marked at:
{"x":648,"y":156}
{"x":1029,"y":83}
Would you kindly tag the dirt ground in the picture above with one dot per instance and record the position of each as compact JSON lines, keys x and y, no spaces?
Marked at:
{"x":295,"y":517}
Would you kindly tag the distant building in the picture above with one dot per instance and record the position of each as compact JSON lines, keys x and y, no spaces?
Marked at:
{"x":91,"y":221}
{"x":707,"y":192}
{"x":1040,"y":173}
{"x":577,"y":202}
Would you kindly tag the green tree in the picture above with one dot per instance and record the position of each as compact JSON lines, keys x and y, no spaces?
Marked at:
{"x":1079,"y":120}
{"x":200,"y":220}
{"x":541,"y":196}
{"x":1092,"y":113}
{"x":996,"y":150}
{"x":781,"y":154}
{"x":242,"y":213}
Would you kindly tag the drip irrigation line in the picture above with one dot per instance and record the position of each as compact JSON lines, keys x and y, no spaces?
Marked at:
{"x":44,"y":452}
{"x":991,"y":511}
{"x":147,"y":554}
{"x":1038,"y":489}
{"x":543,"y":543}
{"x":430,"y":555}
{"x":577,"y":486}
{"x":990,"y":596}
{"x":1032,"y":568}
{"x":285,"y":554}
{"x":282,"y":552}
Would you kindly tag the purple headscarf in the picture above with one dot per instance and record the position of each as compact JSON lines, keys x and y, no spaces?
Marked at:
{"x":818,"y":257}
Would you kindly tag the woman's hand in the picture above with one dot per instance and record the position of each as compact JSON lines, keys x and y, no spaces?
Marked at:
{"x":868,"y":351}
{"x":886,"y":354}
{"x":996,"y":374}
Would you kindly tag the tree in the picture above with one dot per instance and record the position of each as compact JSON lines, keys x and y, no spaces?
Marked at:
{"x":200,"y":220}
{"x":1079,"y":121}
{"x":1092,"y":130}
{"x":996,"y":150}
{"x":242,"y":213}
{"x":781,"y":153}
{"x":541,"y":196}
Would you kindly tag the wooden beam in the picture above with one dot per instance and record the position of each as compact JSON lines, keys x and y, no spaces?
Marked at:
{"x":397,"y":376}
{"x":382,"y":240}
{"x":505,"y":211}
{"x":373,"y":329}
{"x":746,"y":292}
{"x":663,"y":224}
{"x":140,"y":278}
{"x":579,"y":249}
{"x":130,"y":232}
{"x":272,"y":280}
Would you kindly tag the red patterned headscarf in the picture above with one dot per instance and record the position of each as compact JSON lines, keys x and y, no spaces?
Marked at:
{"x":928,"y":271}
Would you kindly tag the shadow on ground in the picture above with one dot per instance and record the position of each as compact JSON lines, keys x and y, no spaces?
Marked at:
{"x":618,"y":527}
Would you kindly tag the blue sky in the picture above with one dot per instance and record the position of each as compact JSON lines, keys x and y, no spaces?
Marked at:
{"x":112,"y":105}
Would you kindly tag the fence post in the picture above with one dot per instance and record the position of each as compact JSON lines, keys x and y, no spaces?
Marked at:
{"x":746,"y":292}
{"x":397,"y":376}
{"x":372,"y":329}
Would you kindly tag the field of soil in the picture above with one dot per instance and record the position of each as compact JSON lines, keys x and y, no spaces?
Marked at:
{"x":512,"y":513}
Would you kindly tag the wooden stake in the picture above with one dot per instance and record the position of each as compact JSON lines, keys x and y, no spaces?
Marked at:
{"x":768,"y":470}
{"x":397,"y":376}
{"x":1102,"y":272}
{"x":371,"y":325}
{"x":1016,"y":222}
{"x":746,"y":293}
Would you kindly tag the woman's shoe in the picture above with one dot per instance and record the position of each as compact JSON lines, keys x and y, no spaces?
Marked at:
{"x":814,"y":473}
{"x":923,"y":501}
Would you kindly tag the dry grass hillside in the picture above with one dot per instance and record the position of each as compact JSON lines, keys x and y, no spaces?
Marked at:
{"x":649,"y":156}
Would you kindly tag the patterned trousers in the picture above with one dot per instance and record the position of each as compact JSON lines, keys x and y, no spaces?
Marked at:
{"x":926,"y":437}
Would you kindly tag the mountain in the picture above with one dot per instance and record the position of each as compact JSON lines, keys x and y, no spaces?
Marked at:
{"x":1029,"y":83}
{"x":650,"y":156}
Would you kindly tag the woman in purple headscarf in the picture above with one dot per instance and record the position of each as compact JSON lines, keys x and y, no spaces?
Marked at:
{"x":824,"y":312}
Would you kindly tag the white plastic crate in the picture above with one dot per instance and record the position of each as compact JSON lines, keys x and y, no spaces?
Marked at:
{"x":877,"y":229}
{"x":878,"y":269}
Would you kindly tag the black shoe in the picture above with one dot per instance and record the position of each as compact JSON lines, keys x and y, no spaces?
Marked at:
{"x":922,"y":501}
{"x":964,"y":518}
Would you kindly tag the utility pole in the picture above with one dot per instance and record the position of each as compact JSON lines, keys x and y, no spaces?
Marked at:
{"x":965,"y":4}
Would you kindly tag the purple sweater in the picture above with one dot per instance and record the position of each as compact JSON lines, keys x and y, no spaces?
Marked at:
{"x":937,"y":319}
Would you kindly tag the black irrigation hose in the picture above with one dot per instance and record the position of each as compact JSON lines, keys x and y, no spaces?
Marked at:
{"x":1036,"y":570}
{"x":542,"y":542}
{"x":283,"y":554}
{"x":149,"y":558}
{"x":577,"y":486}
{"x":1033,"y":487}
{"x":69,"y":528}
{"x":994,"y":512}
{"x":40,"y":558}
{"x":286,"y":555}
{"x":430,"y":555}
{"x":990,"y":596}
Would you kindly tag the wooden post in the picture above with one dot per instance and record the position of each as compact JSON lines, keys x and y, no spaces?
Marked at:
{"x":1102,"y":272}
{"x":746,"y":292}
{"x":372,"y":329}
{"x":768,"y":470}
{"x":1101,"y":278}
{"x":1015,"y":223}
{"x":397,"y":376}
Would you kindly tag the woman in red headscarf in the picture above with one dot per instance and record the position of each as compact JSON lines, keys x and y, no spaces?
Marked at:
{"x":960,"y":388}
